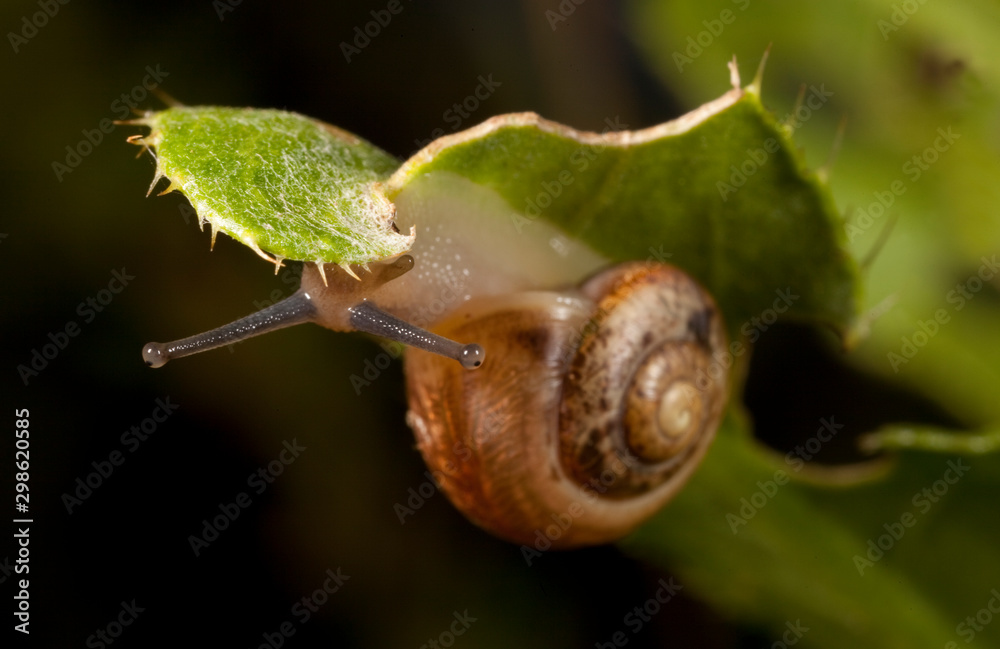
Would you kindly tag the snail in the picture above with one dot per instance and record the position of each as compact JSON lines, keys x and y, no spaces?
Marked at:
{"x":575,"y":410}
{"x":593,"y":408}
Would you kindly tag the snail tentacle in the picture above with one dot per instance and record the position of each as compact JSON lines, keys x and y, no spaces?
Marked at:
{"x":345,"y":310}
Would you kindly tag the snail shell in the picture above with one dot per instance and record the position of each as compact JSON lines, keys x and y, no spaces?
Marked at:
{"x":592,"y":410}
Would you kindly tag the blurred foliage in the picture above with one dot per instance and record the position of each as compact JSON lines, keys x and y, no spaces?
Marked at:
{"x":902,"y":73}
{"x":917,"y":171}
{"x":333,"y":506}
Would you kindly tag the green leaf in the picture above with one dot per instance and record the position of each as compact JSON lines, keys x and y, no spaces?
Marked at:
{"x":770,"y":554}
{"x":720,"y":192}
{"x":279,"y":182}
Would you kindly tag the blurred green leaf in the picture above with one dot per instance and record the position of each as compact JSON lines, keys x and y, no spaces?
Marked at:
{"x":772,"y":553}
{"x":918,"y":82}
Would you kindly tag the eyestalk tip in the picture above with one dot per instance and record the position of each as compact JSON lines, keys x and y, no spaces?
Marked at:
{"x":155,"y":354}
{"x":471,"y":356}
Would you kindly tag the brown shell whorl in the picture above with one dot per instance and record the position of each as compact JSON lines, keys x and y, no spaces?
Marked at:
{"x":633,"y":379}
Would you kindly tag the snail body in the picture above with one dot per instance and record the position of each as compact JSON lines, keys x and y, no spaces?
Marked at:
{"x":592,"y":410}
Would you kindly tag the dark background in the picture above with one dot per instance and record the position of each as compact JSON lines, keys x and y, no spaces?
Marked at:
{"x":333,"y":507}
